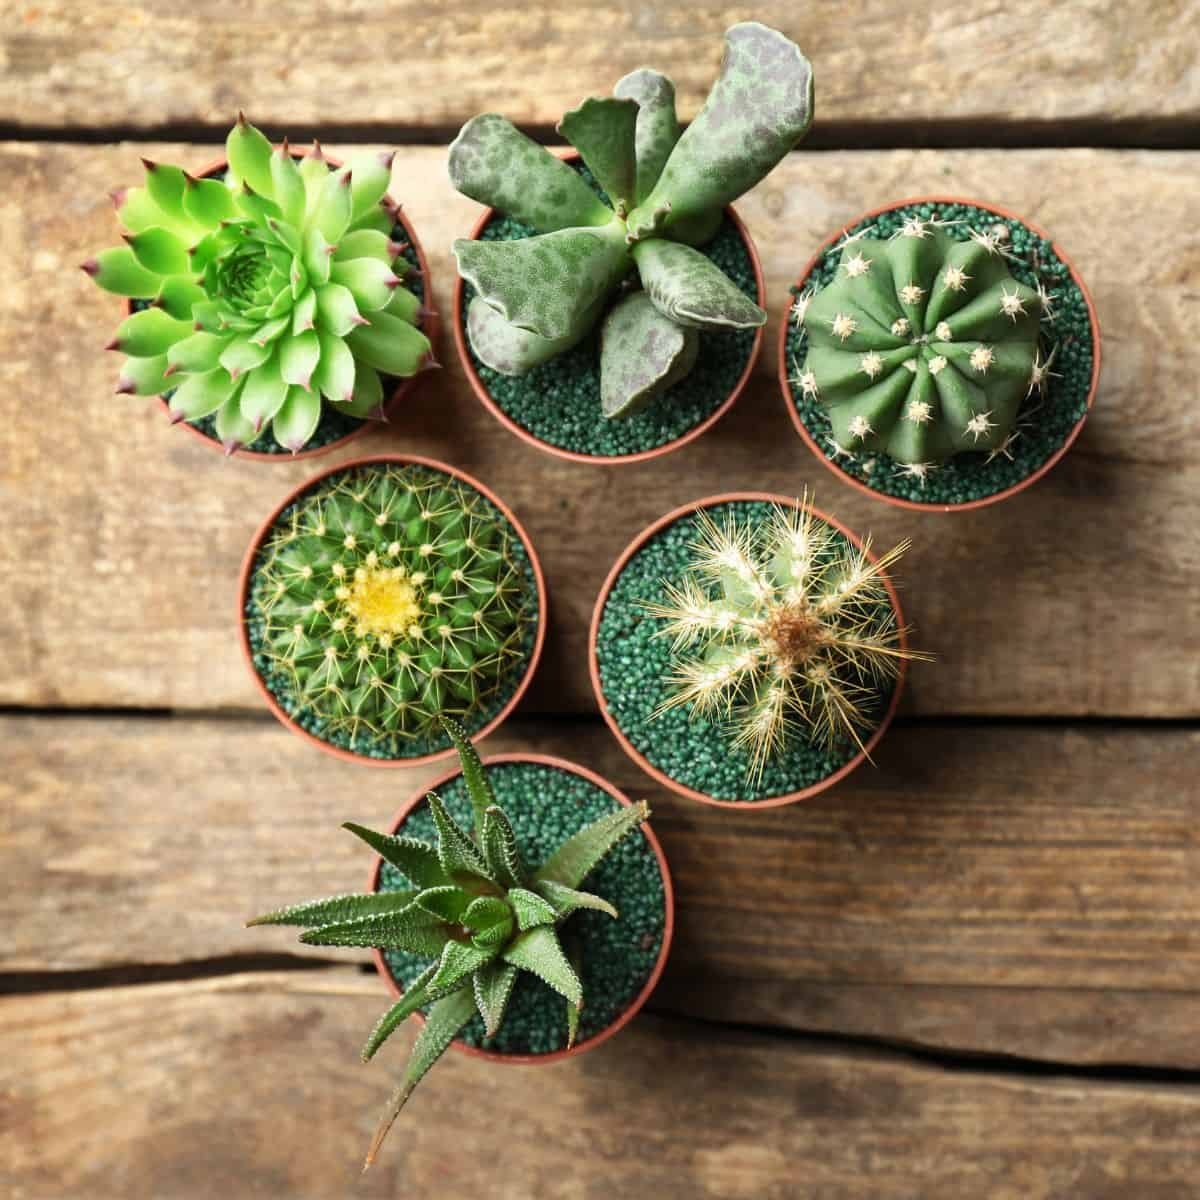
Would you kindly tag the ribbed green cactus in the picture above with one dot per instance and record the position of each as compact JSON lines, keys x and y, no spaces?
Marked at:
{"x":266,"y":291}
{"x":476,"y":910}
{"x":923,"y":346}
{"x":780,"y":628}
{"x":392,"y":596}
{"x":540,"y":296}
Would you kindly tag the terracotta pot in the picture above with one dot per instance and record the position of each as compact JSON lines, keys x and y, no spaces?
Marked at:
{"x":637,"y":756}
{"x":668,"y":906}
{"x":485,"y":397}
{"x":914,"y":504}
{"x":244,"y":586}
{"x":430,"y":327}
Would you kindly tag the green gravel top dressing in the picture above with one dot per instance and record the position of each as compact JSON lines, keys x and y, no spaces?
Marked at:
{"x":546,"y":805}
{"x":1045,"y":421}
{"x":635,"y":664}
{"x":559,"y":402}
{"x":333,"y":425}
{"x":394,"y":748}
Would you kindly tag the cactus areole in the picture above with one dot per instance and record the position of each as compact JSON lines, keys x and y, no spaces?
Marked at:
{"x":384,"y":596}
{"x":267,"y":297}
{"x":628,"y":267}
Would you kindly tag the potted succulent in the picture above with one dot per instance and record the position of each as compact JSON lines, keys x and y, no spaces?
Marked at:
{"x":274,"y":302}
{"x":609,"y":308}
{"x":749,"y":649}
{"x":490,"y":952}
{"x":382,"y":594}
{"x":940,"y":354}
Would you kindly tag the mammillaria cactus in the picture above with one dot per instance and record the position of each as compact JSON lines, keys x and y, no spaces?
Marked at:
{"x":539,"y":296}
{"x":392,"y":596}
{"x":476,"y":909}
{"x":781,"y":626}
{"x":923,"y":346}
{"x":264,"y":291}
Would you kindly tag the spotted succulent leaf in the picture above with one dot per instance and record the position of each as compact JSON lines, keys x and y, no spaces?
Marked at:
{"x":691,"y":290}
{"x":657,"y":127}
{"x":642,"y":353}
{"x":602,"y":129}
{"x":512,"y":351}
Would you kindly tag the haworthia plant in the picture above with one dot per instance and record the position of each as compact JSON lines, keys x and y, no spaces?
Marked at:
{"x":477,"y":909}
{"x":268,"y":291}
{"x":922,"y":346}
{"x":540,"y":296}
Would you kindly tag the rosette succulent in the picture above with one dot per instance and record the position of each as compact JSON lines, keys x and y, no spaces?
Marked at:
{"x":539,"y":296}
{"x":922,"y":346}
{"x":265,"y":292}
{"x":390,"y":596}
{"x":474,"y":908}
{"x":780,"y":628}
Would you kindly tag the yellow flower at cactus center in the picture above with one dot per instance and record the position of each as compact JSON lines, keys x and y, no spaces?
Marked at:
{"x":383,"y":601}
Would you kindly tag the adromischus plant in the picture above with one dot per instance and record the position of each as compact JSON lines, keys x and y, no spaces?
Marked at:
{"x":267,"y":290}
{"x":392,"y":596}
{"x":780,"y":627}
{"x":923,"y":346}
{"x":476,"y":909}
{"x":539,"y":296}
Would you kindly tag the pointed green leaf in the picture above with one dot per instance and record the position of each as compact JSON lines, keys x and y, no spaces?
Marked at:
{"x":298,"y":357}
{"x":366,"y":243}
{"x":258,"y":208}
{"x":369,"y":280}
{"x":459,"y":858}
{"x":500,"y":849}
{"x":149,"y":333}
{"x":567,"y":900}
{"x":412,"y":929}
{"x":495,"y":936}
{"x":405,"y":305}
{"x":200,"y":352}
{"x":493,"y":984}
{"x":244,"y":353}
{"x":546,"y":284}
{"x":333,"y":212}
{"x":165,"y":185}
{"x":263,"y":393}
{"x":296,"y":421}
{"x":334,"y":373}
{"x":178,"y":296}
{"x":474,"y":776}
{"x":336,"y":311}
{"x":575,"y":957}
{"x":389,"y":345}
{"x":317,"y":257}
{"x":539,"y":952}
{"x":208,"y":202}
{"x":691,"y":289}
{"x":304,"y":315}
{"x":758,"y":109}
{"x":314,"y":170}
{"x":416,"y":861}
{"x":370,"y":174}
{"x":530,"y":909}
{"x":144,"y":376}
{"x":493,"y":162}
{"x":459,"y":960}
{"x":485,"y":912}
{"x":602,"y":130}
{"x":266,"y":333}
{"x":572,"y":861}
{"x":136,"y":211}
{"x":446,"y":1019}
{"x":233,"y":429}
{"x":118,"y":271}
{"x":335,"y":909}
{"x":511,"y":351}
{"x":642,"y":354}
{"x":367,"y":397}
{"x":249,"y":155}
{"x":288,"y":186}
{"x":202,"y":395}
{"x":445,"y":901}
{"x":417,"y":996}
{"x":657,"y":128}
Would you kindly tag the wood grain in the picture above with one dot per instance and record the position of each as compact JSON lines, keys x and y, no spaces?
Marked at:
{"x":252,"y":1086}
{"x":149,"y":63}
{"x":988,"y":888}
{"x":1078,"y":597}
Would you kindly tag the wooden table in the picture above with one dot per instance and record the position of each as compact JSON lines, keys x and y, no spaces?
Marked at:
{"x":973,"y":972}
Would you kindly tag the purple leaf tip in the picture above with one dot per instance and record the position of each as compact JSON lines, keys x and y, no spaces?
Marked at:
{"x":125,"y":387}
{"x":91,"y":267}
{"x":115,"y":344}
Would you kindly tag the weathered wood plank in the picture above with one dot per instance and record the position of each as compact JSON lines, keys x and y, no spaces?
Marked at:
{"x":250,"y":1085}
{"x":124,"y":536}
{"x":994,"y":889}
{"x":82,"y":63}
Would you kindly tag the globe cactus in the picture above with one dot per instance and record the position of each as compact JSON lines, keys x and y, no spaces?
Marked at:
{"x":476,"y":910}
{"x":392,"y":595}
{"x":263,"y":293}
{"x":781,"y":627}
{"x":922,"y":346}
{"x":539,"y":296}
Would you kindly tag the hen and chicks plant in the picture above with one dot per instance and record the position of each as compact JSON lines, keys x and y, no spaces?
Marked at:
{"x":781,"y":629}
{"x":476,"y":909}
{"x":538,"y":297}
{"x":263,"y":293}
